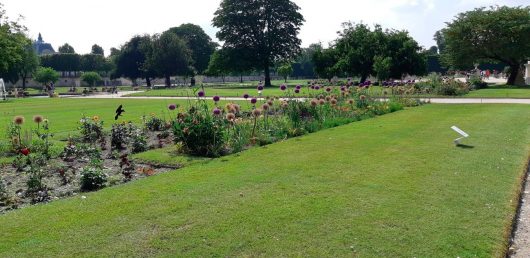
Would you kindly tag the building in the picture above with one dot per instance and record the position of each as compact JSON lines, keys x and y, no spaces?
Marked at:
{"x":42,"y":48}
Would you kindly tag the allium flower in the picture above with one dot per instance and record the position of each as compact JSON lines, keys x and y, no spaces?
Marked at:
{"x":314,"y":102}
{"x":298,"y":87}
{"x":328,"y":89}
{"x":216,"y":98}
{"x":270,"y":103}
{"x":362,"y":97}
{"x":236,"y":108}
{"x":38,"y":119}
{"x":312,"y":87}
{"x":172,"y":107}
{"x":246,"y":96}
{"x":351,"y":101}
{"x":216,"y":111}
{"x":19,"y":120}
{"x":285,"y":104}
{"x":283,"y":87}
{"x":260,"y":88}
{"x":254,"y":100}
{"x":385,"y":92}
{"x":230,"y":117}
{"x":317,"y":87}
{"x":201,"y":94}
{"x":256,"y":112}
{"x":342,"y":88}
{"x":321,"y":102}
{"x":333,"y":102}
{"x":297,"y":91}
{"x":328,"y":98}
{"x":265,"y":106}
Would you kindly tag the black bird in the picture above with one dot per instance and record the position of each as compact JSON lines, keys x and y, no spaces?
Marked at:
{"x":119,"y":112}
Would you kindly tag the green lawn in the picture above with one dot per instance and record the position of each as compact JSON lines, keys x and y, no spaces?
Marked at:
{"x":502,"y":91}
{"x":392,"y":186}
{"x":64,"y":113}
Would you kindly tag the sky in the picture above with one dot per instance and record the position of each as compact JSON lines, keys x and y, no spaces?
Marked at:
{"x":111,"y":23}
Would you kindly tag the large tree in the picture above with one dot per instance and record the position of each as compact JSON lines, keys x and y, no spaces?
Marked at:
{"x":325,"y":61}
{"x":267,"y":28}
{"x":13,"y":42}
{"x":131,"y":60}
{"x":498,"y":34}
{"x":97,"y":50}
{"x":62,"y":62}
{"x":66,"y":49}
{"x":230,"y":61}
{"x":28,"y":65}
{"x":170,"y":56}
{"x":199,"y":43}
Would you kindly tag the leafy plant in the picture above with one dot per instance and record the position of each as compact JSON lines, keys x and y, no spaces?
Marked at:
{"x":92,"y":179}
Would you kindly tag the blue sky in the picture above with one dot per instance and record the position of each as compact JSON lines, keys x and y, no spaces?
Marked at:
{"x":110,"y":23}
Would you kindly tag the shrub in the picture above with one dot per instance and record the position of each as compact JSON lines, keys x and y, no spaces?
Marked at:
{"x":119,"y":136}
{"x":92,"y":179}
{"x":200,"y":133}
{"x":138,"y":141}
{"x":91,"y":129}
{"x":477,"y":83}
{"x":452,"y":88}
{"x":154,"y":123}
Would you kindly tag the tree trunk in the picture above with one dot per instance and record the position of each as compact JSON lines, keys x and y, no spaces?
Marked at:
{"x":168,"y":81}
{"x":241,"y":78}
{"x":514,"y":71}
{"x":285,"y":79}
{"x":267,"y":76}
{"x":148,"y":81}
{"x":23,"y":82}
{"x":363,"y":78}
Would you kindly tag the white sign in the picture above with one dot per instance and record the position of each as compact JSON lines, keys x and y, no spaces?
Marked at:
{"x":3,"y":93}
{"x":461,"y":132}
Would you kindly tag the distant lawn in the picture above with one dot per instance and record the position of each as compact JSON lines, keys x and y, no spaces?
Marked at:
{"x":392,"y":186}
{"x":502,"y":91}
{"x":64,"y":113}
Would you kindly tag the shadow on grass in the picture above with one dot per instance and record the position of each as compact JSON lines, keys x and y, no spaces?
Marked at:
{"x":463,"y":146}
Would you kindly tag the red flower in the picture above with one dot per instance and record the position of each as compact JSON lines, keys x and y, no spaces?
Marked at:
{"x":25,"y":151}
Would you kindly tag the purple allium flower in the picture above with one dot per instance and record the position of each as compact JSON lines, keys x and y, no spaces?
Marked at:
{"x":246,"y":96}
{"x":298,"y":87}
{"x":201,"y":94}
{"x":296,"y":91}
{"x":260,"y":88}
{"x":343,"y":88}
{"x":254,"y":100}
{"x":317,"y":87}
{"x":172,"y":107}
{"x":312,"y":87}
{"x":328,"y":89}
{"x":216,"y":98}
{"x":283,"y":87}
{"x":216,"y":111}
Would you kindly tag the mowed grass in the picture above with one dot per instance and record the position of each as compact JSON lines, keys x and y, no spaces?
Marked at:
{"x":64,"y":113}
{"x":501,"y":91}
{"x":392,"y":186}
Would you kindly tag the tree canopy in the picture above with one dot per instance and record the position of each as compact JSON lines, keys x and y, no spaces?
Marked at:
{"x":200,"y":44}
{"x":46,"y":75}
{"x":97,"y":50}
{"x":13,"y":43}
{"x":91,"y":78}
{"x":66,"y":49}
{"x":170,"y":56}
{"x":499,"y":34}
{"x":267,"y":28}
{"x":131,"y":60}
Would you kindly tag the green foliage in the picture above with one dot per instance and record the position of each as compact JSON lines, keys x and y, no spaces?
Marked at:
{"x":13,"y":44}
{"x":91,"y":129}
{"x":91,"y":62}
{"x":477,"y":83}
{"x":200,"y":44}
{"x":154,"y":123}
{"x":267,"y":29}
{"x":199,"y":132}
{"x":325,"y":60}
{"x":93,"y":178}
{"x":499,"y":34}
{"x":132,"y":60}
{"x":382,"y":67}
{"x":97,"y":50}
{"x":285,"y":70}
{"x":46,"y":75}
{"x":62,"y":62}
{"x":170,"y":56}
{"x":91,"y":78}
{"x":138,"y":141}
{"x":66,"y":49}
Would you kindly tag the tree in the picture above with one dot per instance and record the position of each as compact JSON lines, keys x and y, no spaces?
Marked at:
{"x":433,"y":50}
{"x":46,"y":76}
{"x":440,"y":40}
{"x":357,"y":46}
{"x":404,"y":53}
{"x":131,"y":61}
{"x":230,"y":61}
{"x":285,"y":70}
{"x":28,"y":64}
{"x":267,"y":28}
{"x":62,"y":62}
{"x":13,"y":42}
{"x":304,"y":66}
{"x":498,"y":34}
{"x":325,"y":61}
{"x":91,"y":78}
{"x":91,"y":62}
{"x":218,"y":65}
{"x":170,"y":56}
{"x":97,"y":50}
{"x":66,"y":49}
{"x":198,"y":42}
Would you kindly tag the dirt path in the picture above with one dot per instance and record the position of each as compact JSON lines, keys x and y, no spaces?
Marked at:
{"x":521,"y":242}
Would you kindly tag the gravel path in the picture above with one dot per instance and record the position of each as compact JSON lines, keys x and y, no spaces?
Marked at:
{"x":431,"y":100}
{"x":521,"y":242}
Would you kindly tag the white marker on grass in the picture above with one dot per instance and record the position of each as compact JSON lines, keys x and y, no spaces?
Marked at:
{"x":459,"y":131}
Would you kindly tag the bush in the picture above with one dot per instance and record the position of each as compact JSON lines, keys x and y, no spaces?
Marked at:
{"x":91,"y":129}
{"x":92,"y":179}
{"x":452,"y":88}
{"x":155,"y":124}
{"x":119,"y":136}
{"x":200,"y":133}
{"x":477,"y":83}
{"x":138,"y":141}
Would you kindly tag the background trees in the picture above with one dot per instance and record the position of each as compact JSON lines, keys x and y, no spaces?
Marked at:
{"x":13,"y":43}
{"x":499,"y":34}
{"x":46,"y":76}
{"x":170,"y":56}
{"x":200,"y":44}
{"x":267,"y":28}
{"x":97,"y":50}
{"x":285,"y":70}
{"x":131,"y":60}
{"x":91,"y":78}
{"x":66,"y":49}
